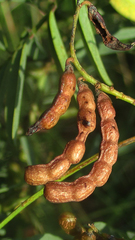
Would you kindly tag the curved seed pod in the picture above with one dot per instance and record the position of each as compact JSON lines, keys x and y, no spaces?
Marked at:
{"x":42,"y":173}
{"x":60,"y":192}
{"x":84,"y":186}
{"x":74,"y":150}
{"x":86,"y":118}
{"x":60,"y":104}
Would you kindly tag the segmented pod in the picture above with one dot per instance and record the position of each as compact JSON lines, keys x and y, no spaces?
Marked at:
{"x":81,"y":188}
{"x":60,"y":104}
{"x":74,"y":150}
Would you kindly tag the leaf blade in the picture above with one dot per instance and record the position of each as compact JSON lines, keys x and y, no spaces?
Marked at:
{"x":16,"y":77}
{"x":20,"y":83}
{"x":125,"y":8}
{"x":57,"y":40}
{"x":90,"y":41}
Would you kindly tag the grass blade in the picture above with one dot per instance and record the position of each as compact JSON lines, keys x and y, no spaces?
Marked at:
{"x":57,"y":40}
{"x":15,"y":89}
{"x":27,"y":150}
{"x":4,"y":82}
{"x":19,"y":90}
{"x":9,"y":31}
{"x":11,"y":91}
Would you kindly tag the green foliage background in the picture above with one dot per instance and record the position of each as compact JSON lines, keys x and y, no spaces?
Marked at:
{"x":30,"y":69}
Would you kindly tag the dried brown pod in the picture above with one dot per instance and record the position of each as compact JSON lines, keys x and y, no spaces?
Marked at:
{"x":60,"y":104}
{"x":109,"y":40}
{"x":81,"y":188}
{"x":74,"y":150}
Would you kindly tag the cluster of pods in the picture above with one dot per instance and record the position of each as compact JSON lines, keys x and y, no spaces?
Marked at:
{"x":46,"y":174}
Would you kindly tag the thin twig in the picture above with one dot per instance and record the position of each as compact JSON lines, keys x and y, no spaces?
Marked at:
{"x":19,"y":208}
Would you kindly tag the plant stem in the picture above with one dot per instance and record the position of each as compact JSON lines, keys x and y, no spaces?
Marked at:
{"x":21,"y":207}
{"x":69,"y":173}
{"x":127,"y":142}
{"x":87,"y":77}
{"x":92,"y":159}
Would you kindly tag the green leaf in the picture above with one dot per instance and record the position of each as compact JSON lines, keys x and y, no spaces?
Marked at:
{"x":57,"y":40}
{"x":49,"y":236}
{"x":27,"y":150}
{"x":46,"y":236}
{"x":131,"y":235}
{"x":15,"y":88}
{"x":90,"y":43}
{"x":100,"y":225}
{"x":20,"y":83}
{"x":125,"y":33}
{"x":4,"y":81}
{"x":12,"y":77}
{"x":125,"y":8}
{"x":9,"y":31}
{"x":2,"y":47}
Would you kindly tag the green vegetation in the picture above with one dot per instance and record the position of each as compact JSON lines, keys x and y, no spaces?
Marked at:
{"x":34,"y":44}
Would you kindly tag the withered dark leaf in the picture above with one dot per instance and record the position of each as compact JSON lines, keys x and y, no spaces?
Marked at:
{"x":109,"y":40}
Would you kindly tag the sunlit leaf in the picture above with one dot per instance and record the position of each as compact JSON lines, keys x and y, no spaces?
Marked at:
{"x":49,"y":236}
{"x":125,"y":8}
{"x":100,"y":225}
{"x":46,"y":236}
{"x":131,"y":235}
{"x":2,"y":47}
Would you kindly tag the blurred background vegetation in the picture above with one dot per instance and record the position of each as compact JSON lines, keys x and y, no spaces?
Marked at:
{"x":29,"y":78}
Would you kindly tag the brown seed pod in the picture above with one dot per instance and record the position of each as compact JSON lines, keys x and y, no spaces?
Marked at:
{"x":60,"y":104}
{"x":74,"y":150}
{"x":86,"y":118}
{"x":81,"y":188}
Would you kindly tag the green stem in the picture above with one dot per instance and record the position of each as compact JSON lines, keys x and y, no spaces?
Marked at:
{"x":87,"y":77}
{"x":21,"y":207}
{"x":92,"y":159}
{"x":69,"y":173}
